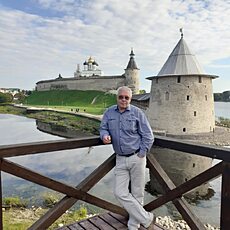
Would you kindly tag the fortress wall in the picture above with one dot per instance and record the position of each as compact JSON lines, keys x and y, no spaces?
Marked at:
{"x":180,"y":108}
{"x":101,"y":84}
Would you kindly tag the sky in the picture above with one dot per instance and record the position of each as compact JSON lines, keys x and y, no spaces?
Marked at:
{"x":41,"y":38}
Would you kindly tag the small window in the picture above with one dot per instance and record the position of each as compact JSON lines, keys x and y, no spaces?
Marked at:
{"x":157,"y":80}
{"x":167,"y":96}
{"x":194,"y":113}
{"x":184,"y":129}
{"x":206,"y":97}
{"x":178,"y":79}
{"x":200,"y":79}
{"x":187,"y":97}
{"x":193,"y":165}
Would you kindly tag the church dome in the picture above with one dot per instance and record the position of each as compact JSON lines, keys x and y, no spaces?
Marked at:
{"x":90,"y":60}
{"x":95,"y":63}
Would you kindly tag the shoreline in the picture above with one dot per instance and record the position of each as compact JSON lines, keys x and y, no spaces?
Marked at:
{"x":23,"y":214}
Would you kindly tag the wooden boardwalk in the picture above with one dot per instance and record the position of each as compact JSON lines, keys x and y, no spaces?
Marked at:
{"x":105,"y":221}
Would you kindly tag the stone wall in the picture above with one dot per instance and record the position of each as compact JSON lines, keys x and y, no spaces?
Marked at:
{"x":180,"y":108}
{"x":99,"y":83}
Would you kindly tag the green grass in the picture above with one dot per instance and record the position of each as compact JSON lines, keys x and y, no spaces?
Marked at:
{"x":21,"y":219}
{"x":224,"y":122}
{"x":9,"y":109}
{"x":89,"y":101}
{"x":18,"y":217}
{"x":69,"y":121}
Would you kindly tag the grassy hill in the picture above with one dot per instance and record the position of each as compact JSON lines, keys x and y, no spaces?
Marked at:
{"x":89,"y":101}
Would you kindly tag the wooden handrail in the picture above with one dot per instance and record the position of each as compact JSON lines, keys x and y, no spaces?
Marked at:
{"x":172,"y":193}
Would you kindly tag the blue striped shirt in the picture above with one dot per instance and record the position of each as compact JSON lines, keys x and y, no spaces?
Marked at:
{"x":129,"y":130}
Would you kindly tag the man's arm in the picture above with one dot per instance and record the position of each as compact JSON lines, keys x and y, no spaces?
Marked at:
{"x":146,"y":134}
{"x":104,"y":130}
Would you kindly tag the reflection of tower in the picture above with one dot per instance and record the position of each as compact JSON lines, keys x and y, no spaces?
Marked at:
{"x":181,"y":104}
{"x":132,"y":74}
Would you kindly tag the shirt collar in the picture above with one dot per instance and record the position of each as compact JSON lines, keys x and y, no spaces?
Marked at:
{"x":127,"y":109}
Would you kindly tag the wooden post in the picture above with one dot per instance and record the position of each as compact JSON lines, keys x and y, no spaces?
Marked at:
{"x":225,"y":198}
{"x":1,"y":220}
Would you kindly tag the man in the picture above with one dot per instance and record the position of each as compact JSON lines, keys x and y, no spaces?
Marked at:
{"x":127,"y":128}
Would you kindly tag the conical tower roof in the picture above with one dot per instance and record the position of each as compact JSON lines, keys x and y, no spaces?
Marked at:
{"x":132,"y":64}
{"x":181,"y":62}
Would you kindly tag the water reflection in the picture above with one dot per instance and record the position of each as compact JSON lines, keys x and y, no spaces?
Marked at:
{"x":59,"y":130}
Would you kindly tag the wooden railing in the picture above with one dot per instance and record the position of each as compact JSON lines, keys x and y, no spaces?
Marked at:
{"x":73,"y":194}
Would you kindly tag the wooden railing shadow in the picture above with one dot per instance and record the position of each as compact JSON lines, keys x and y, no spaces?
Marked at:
{"x":73,"y":194}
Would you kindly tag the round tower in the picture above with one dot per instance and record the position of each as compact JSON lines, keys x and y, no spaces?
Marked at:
{"x":181,"y":105}
{"x":132,"y":74}
{"x":181,"y":99}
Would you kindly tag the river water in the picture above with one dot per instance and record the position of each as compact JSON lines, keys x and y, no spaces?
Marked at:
{"x":72,"y":166}
{"x":222,"y":109}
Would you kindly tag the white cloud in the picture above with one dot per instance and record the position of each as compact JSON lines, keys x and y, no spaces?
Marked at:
{"x":39,"y":47}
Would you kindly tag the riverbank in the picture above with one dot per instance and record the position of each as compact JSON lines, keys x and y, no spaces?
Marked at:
{"x":86,"y":123}
{"x":24,"y":218}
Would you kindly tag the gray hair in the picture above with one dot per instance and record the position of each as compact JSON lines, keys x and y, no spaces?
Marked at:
{"x":124,"y":88}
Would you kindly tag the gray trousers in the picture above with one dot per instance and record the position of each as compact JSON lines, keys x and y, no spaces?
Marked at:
{"x":132,"y":169}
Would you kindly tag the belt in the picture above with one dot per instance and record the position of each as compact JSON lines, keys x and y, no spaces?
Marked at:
{"x":130,"y":154}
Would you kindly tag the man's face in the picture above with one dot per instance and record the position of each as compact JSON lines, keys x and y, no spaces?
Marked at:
{"x":123,"y":99}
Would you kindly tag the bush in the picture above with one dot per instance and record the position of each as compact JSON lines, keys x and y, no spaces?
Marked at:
{"x":14,"y":202}
{"x":50,"y":199}
{"x":6,"y":97}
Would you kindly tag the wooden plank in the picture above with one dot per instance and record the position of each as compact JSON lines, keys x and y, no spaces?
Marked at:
{"x":113,"y":221}
{"x":75,"y":226}
{"x":166,"y":142}
{"x":181,"y":204}
{"x":65,"y":203}
{"x":225,"y":198}
{"x":64,"y":228}
{"x":214,"y":152}
{"x":123,"y":219}
{"x":37,"y":178}
{"x":100,"y":223}
{"x":48,"y":146}
{"x":120,"y":218}
{"x":87,"y":225}
{"x":185,"y":187}
{"x":105,"y":221}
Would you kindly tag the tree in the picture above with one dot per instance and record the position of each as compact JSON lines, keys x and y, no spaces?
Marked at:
{"x":20,"y":97}
{"x":226,"y":96}
{"x":217,"y":96}
{"x":6,"y":97}
{"x":142,"y":91}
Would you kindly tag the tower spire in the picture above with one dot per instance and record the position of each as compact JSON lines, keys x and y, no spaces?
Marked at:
{"x":181,"y":32}
{"x":132,"y":64}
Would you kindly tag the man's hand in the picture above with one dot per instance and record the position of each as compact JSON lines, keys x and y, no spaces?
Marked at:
{"x":106,"y":139}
